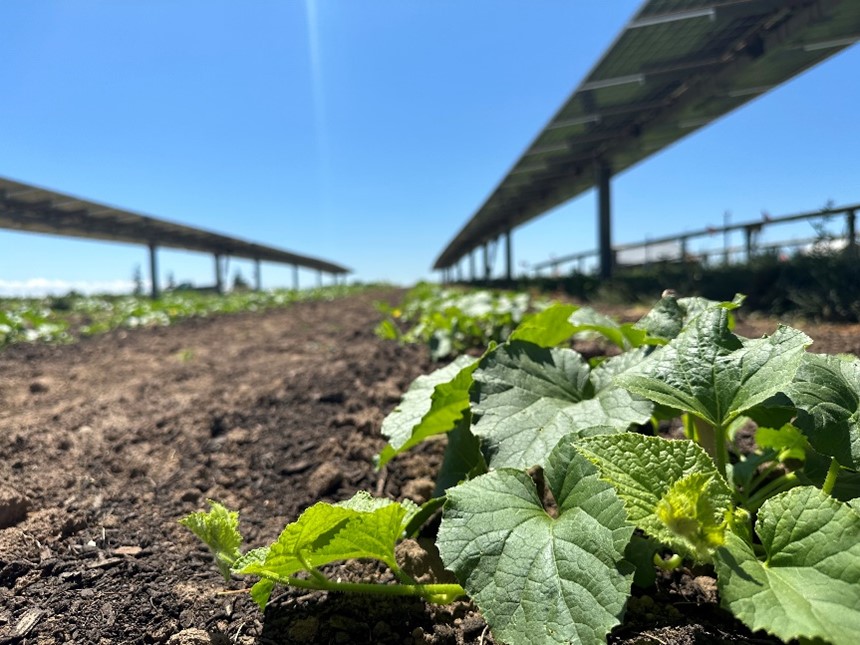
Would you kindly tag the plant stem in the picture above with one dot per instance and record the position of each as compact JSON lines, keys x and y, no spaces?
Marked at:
{"x":402,"y":576}
{"x":832,"y":473}
{"x":437,"y":593}
{"x":778,"y":485}
{"x":761,"y":476}
{"x":721,"y":449}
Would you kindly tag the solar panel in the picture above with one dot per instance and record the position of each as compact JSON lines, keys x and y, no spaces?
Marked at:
{"x":677,"y":66}
{"x":29,"y":208}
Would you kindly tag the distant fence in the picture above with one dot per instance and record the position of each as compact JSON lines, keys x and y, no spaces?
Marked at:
{"x":676,"y":248}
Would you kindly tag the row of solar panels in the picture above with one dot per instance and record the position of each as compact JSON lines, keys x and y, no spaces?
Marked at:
{"x":28,"y":208}
{"x":677,"y":66}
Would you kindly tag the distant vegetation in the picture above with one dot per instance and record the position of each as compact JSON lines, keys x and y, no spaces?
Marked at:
{"x":822,"y":285}
{"x":63,"y":319}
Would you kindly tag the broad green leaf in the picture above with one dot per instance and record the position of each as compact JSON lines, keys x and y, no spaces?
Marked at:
{"x":362,"y":527}
{"x":219,"y":530}
{"x":547,"y":328}
{"x":826,"y":391}
{"x":774,"y":412}
{"x":665,"y":320}
{"x":525,"y":398}
{"x":462,"y":459}
{"x":537,"y":578}
{"x":671,"y":489}
{"x":787,"y":441}
{"x":809,"y":584}
{"x":715,"y":375}
{"x":623,"y":335}
{"x":432,"y":405}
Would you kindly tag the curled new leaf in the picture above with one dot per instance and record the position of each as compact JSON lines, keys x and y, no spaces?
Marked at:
{"x":219,"y":530}
{"x":671,"y":489}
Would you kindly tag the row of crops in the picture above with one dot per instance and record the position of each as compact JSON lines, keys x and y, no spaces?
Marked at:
{"x":569,"y":482}
{"x":67,"y":318}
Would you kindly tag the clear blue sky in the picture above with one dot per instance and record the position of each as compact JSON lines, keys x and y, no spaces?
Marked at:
{"x":362,"y":132}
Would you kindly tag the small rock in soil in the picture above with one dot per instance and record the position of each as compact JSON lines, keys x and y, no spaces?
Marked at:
{"x":707,"y":587}
{"x":419,"y":490}
{"x":325,"y":479}
{"x":38,"y":387}
{"x":13,"y":507}
{"x":195,"y":636}
{"x":473,"y":625}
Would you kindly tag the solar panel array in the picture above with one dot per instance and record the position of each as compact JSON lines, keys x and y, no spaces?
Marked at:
{"x":29,"y":208}
{"x":677,"y":66}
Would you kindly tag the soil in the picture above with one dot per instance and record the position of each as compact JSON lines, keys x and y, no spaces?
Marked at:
{"x":106,"y":443}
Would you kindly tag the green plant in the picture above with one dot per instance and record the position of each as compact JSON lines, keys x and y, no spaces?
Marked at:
{"x":559,"y":494}
{"x":63,"y":319}
{"x":451,"y":321}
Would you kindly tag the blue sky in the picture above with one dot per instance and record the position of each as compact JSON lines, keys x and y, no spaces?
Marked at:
{"x":362,"y":132}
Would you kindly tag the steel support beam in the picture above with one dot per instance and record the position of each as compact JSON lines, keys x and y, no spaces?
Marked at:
{"x":219,"y":278}
{"x":153,"y":272}
{"x":486,"y":260}
{"x":604,"y":219}
{"x":258,"y":276}
{"x":851,"y":226}
{"x":472,"y":265}
{"x":295,"y":277}
{"x":509,"y":256}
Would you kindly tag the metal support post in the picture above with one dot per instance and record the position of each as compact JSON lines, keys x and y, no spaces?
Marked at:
{"x":486,"y":260}
{"x":258,"y":276}
{"x":750,"y":232}
{"x":509,"y":257}
{"x":296,"y":277}
{"x":155,"y":292}
{"x":851,"y":222}
{"x":319,"y":278}
{"x":604,"y":216}
{"x":219,"y":279}
{"x":472,"y":265}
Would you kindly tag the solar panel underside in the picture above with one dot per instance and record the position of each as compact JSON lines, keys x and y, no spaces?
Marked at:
{"x":29,"y":208}
{"x":677,"y":66}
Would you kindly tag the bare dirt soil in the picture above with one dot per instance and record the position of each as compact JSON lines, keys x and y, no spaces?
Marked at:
{"x":106,"y":443}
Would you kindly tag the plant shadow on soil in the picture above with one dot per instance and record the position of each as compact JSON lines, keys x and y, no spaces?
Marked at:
{"x":106,"y":443}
